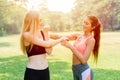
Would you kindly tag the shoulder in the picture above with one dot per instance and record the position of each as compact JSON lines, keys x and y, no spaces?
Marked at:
{"x":91,"y":40}
{"x":27,"y":36}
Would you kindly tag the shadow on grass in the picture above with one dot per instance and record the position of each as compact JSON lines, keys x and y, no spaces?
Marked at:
{"x":12,"y":68}
{"x":4,"y":44}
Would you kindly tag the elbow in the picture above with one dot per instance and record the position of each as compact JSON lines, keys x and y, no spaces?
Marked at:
{"x":49,"y":51}
{"x":48,"y":45}
{"x":83,"y":62}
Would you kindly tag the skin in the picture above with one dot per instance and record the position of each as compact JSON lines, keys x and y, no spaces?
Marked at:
{"x":37,"y":39}
{"x":79,"y":58}
{"x":39,"y":62}
{"x":46,"y":33}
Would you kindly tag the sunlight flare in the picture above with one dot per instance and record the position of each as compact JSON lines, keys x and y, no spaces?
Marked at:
{"x":53,"y":5}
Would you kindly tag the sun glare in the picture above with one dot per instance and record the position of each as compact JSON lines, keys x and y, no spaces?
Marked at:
{"x":60,"y":5}
{"x":53,"y":5}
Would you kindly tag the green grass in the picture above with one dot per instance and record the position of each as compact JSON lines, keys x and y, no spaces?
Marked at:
{"x":13,"y":62}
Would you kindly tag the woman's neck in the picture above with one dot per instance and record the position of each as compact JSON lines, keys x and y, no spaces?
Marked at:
{"x":86,"y":34}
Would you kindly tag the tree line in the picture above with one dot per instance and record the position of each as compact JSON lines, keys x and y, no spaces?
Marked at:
{"x":108,"y":11}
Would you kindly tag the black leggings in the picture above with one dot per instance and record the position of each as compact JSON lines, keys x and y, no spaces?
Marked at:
{"x":32,"y":74}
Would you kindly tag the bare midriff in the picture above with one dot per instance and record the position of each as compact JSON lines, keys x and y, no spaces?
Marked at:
{"x":38,"y":62}
{"x":76,"y":60}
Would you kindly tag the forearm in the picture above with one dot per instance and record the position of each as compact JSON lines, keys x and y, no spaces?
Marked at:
{"x":54,"y":42}
{"x":59,"y":36}
{"x":78,"y":54}
{"x":54,"y":36}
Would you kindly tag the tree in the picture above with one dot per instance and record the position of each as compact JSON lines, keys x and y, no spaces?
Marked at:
{"x":108,"y":12}
{"x":11,"y":17}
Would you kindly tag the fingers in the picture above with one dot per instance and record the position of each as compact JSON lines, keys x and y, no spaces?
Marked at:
{"x":65,"y":39}
{"x":62,"y":43}
{"x":47,"y":27}
{"x":65,"y":43}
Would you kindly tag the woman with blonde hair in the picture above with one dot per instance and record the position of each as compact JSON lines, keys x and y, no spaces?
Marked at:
{"x":35,"y":44}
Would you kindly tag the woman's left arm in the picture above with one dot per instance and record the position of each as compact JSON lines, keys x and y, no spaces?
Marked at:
{"x":47,"y":37}
{"x":90,"y":45}
{"x":83,"y":58}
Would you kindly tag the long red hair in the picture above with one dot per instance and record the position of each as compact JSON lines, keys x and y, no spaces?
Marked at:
{"x":95,"y":23}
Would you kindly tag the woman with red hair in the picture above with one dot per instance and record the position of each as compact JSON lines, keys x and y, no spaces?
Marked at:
{"x":84,"y":44}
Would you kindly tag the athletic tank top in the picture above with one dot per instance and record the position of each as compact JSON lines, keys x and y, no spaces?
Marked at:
{"x":80,"y":44}
{"x":36,"y":50}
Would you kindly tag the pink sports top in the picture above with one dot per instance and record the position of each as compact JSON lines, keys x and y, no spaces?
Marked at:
{"x":36,"y":50}
{"x":80,"y":44}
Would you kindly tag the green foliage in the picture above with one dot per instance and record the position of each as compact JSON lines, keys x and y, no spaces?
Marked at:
{"x":11,"y":17}
{"x":13,"y":62}
{"x":108,"y":11}
{"x":58,"y":21}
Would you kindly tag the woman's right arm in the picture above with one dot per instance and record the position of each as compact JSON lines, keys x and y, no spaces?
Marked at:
{"x":37,"y":41}
{"x":70,"y":37}
{"x":55,"y":36}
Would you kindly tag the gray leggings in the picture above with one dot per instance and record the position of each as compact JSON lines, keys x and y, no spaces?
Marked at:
{"x":82,"y":72}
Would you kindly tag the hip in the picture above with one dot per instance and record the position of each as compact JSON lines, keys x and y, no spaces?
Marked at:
{"x":33,"y":74}
{"x":80,"y":67}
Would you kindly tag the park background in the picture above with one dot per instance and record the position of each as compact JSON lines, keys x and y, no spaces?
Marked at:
{"x":13,"y":61}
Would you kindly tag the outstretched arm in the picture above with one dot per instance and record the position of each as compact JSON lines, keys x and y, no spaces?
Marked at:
{"x":83,"y":58}
{"x":37,"y":41}
{"x":55,"y":36}
{"x":70,"y":37}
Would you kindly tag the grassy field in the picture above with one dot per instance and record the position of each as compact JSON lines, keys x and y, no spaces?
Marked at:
{"x":13,"y":62}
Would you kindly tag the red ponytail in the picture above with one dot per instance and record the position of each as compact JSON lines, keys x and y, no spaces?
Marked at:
{"x":95,"y":23}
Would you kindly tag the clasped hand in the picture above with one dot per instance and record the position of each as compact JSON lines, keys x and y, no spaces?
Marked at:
{"x":65,"y":42}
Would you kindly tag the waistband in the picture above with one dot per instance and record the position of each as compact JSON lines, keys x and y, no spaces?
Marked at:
{"x":81,"y":66}
{"x":37,"y":69}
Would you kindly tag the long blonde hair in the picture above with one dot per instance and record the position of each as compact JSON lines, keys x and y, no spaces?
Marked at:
{"x":32,"y":21}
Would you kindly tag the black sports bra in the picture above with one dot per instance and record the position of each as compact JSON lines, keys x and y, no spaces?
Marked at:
{"x":36,"y":50}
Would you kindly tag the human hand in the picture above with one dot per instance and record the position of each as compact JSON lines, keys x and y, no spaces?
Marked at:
{"x":64,"y":39}
{"x":65,"y":43}
{"x":47,"y":27}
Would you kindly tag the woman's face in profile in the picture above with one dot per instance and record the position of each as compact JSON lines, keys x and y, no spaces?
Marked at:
{"x":86,"y":25}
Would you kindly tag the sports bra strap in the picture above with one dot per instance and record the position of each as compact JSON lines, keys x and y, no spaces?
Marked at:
{"x":88,"y":38}
{"x":43,"y":35}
